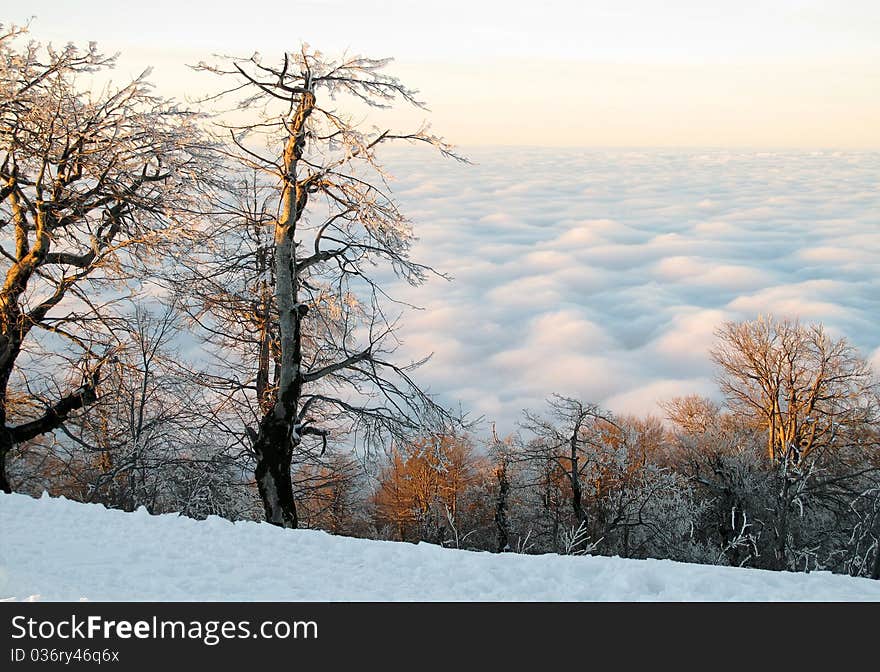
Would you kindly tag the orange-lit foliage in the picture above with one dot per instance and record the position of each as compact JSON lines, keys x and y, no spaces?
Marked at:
{"x":619,"y":451}
{"x":425,"y":485}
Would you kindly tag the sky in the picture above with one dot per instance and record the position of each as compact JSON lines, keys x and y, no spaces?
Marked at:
{"x":634,"y":73}
{"x":604,"y":274}
{"x":584,"y":263}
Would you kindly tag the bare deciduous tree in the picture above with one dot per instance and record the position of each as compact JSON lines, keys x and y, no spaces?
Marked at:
{"x":89,"y":183}
{"x":146,"y":441}
{"x":692,"y":413}
{"x":567,"y":437}
{"x":424,"y":489}
{"x":333,"y":220}
{"x":805,"y":389}
{"x":502,"y":455}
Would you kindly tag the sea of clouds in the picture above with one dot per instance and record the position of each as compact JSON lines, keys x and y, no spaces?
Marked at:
{"x":603,"y":274}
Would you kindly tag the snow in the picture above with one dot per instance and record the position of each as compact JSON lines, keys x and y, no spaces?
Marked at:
{"x":56,"y":549}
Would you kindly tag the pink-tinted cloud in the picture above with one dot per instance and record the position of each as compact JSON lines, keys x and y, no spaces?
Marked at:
{"x":604,"y":274}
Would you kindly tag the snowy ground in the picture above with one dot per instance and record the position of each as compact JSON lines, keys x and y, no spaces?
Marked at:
{"x":55,"y":549}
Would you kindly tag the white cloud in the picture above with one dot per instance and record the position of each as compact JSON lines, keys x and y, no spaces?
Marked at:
{"x":643,"y":400}
{"x":875,"y":361}
{"x":604,"y":274}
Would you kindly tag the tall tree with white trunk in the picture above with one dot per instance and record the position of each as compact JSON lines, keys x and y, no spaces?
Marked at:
{"x":333,"y":222}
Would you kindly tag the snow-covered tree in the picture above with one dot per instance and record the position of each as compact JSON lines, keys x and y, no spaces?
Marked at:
{"x":332,"y":221}
{"x":91,"y":182}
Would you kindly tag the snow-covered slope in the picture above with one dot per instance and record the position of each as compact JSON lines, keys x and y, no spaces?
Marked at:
{"x":55,"y":549}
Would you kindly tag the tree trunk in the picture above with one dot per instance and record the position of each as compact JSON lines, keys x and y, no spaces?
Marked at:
{"x":576,"y":491}
{"x":781,"y":550}
{"x":272,"y":473}
{"x":6,"y":440}
{"x":503,"y":539}
{"x":577,"y":499}
{"x":5,"y":446}
{"x":577,"y":503}
{"x":876,"y":573}
{"x":278,"y":433}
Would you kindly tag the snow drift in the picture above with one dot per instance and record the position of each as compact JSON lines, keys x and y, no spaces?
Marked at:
{"x":56,"y":549}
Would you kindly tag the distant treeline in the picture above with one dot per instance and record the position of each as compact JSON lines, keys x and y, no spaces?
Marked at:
{"x":784,"y":475}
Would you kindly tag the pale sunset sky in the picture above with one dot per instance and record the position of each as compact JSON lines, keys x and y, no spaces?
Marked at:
{"x":626,"y":73}
{"x":691,"y":162}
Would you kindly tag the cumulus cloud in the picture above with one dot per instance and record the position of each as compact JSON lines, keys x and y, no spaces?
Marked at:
{"x":604,"y":274}
{"x":875,"y":360}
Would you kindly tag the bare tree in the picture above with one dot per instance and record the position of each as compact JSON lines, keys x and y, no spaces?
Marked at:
{"x":501,"y":453}
{"x":424,"y":490}
{"x":159,"y":448}
{"x":90,"y":182}
{"x":566,"y":437}
{"x":609,"y":471}
{"x":331,"y":494}
{"x":225,"y":285}
{"x":146,"y":441}
{"x":807,"y":503}
{"x":804,"y":389}
{"x":692,"y":413}
{"x":333,"y":220}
